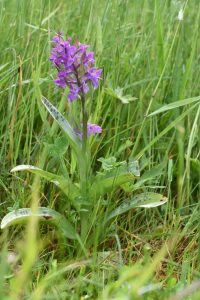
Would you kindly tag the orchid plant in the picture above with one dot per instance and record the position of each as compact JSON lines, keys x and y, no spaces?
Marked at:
{"x":76,"y":70}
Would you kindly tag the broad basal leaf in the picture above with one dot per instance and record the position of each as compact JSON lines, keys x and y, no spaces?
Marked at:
{"x":146,"y":200}
{"x":35,"y":170}
{"x":150,"y":175}
{"x":64,"y":184}
{"x":105,"y":183}
{"x":44,"y":214}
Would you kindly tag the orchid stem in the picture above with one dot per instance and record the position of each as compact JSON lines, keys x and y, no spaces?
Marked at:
{"x":84,"y":172}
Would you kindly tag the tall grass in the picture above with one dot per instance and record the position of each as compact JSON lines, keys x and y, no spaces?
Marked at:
{"x":151,"y":55}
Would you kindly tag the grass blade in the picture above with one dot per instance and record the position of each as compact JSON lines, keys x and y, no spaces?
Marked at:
{"x":174,"y":105}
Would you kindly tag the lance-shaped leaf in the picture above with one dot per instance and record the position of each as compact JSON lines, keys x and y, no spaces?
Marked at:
{"x":146,"y":200}
{"x":105,"y":183}
{"x":64,"y":124}
{"x":23,"y":215}
{"x":174,"y":105}
{"x":35,"y":170}
{"x":64,"y":184}
{"x":150,"y":175}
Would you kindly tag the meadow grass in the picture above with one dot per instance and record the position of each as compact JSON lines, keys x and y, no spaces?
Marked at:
{"x":146,"y":53}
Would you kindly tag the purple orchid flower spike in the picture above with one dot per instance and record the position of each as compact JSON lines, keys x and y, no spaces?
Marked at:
{"x":75,"y":67}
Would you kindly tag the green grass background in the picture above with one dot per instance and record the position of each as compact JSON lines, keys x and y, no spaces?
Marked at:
{"x":149,"y":54}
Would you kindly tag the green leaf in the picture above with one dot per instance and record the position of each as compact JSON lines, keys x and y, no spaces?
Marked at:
{"x":64,"y":124}
{"x":151,"y":174}
{"x":59,"y":147}
{"x":64,"y":184}
{"x":195,"y":163}
{"x":109,"y":163}
{"x":44,"y":214}
{"x":35,"y":170}
{"x":105,"y":183}
{"x":147,"y":176}
{"x":118,"y":94}
{"x":174,"y":105}
{"x":146,"y":200}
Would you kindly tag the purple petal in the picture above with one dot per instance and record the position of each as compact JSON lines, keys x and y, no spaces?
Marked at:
{"x":85,"y":88}
{"x":73,"y":95}
{"x":92,"y":129}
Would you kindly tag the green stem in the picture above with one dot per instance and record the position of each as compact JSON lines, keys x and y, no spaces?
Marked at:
{"x":84,"y":150}
{"x":84,"y":120}
{"x":84,"y":172}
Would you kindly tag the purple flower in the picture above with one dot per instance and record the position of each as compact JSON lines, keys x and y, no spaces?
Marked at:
{"x":94,"y":75}
{"x":92,"y":129}
{"x":75,"y":66}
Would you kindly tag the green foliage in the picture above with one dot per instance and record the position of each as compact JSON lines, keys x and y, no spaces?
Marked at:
{"x":64,"y":124}
{"x":174,"y":105}
{"x":146,"y":200}
{"x":118,"y":94}
{"x":70,"y":190}
{"x":146,"y":53}
{"x":43,"y":214}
